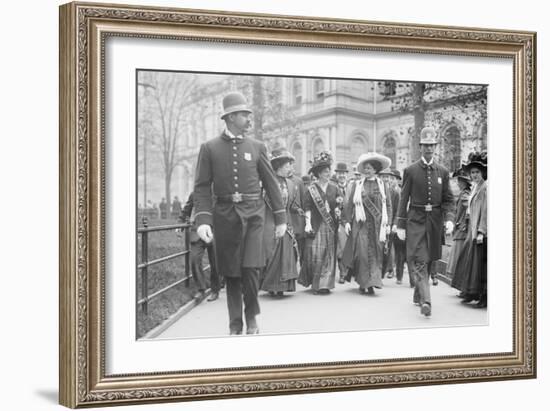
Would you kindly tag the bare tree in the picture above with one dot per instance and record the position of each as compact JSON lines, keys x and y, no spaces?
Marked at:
{"x":167,"y":95}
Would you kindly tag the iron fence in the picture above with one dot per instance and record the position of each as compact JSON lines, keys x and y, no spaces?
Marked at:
{"x":142,"y":268}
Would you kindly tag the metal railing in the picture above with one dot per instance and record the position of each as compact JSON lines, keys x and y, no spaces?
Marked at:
{"x":146,"y":263}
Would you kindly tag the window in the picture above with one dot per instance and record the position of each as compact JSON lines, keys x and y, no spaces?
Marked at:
{"x":319,"y":87}
{"x":450,"y":154}
{"x":390,"y":149}
{"x":297,"y":90}
{"x":318,"y":146}
{"x":358,"y":147}
{"x":483,"y":138}
{"x":297,"y":153}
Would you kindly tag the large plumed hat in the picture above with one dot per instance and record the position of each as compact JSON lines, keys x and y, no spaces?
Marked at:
{"x":477,"y":160}
{"x":233,"y":103}
{"x":378,"y":161}
{"x":321,"y":160}
{"x":280,"y":156}
{"x":428,"y":135}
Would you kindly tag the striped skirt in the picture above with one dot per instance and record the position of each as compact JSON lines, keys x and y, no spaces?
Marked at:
{"x":317,"y":268}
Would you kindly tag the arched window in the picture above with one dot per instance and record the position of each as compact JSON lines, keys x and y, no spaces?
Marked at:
{"x":450,"y":155}
{"x":390,"y":149}
{"x":483,"y":138}
{"x":297,"y":153}
{"x":358,"y":147}
{"x":318,"y":146}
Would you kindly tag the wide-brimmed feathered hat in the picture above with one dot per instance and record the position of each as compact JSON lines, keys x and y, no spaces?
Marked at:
{"x":280,"y":156}
{"x":378,"y":161}
{"x":477,"y":160}
{"x":321,"y":160}
{"x":233,"y":103}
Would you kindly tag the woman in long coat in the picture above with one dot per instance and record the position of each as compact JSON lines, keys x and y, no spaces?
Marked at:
{"x":472,"y":262}
{"x":367,"y":215}
{"x":321,"y":206}
{"x":460,"y":231}
{"x":280,"y":271}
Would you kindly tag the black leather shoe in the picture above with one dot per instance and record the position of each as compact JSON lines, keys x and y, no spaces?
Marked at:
{"x":213,"y":297}
{"x":426,"y":309}
{"x":435,"y":281}
{"x":253,"y":330}
{"x":468,"y":299}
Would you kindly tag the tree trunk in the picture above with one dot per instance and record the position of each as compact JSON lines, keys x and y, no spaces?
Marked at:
{"x":167,"y":194}
{"x":419,"y":116}
{"x":258,"y":104}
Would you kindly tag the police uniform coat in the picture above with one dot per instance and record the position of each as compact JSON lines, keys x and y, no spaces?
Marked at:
{"x":425,"y":184}
{"x":227,"y":166}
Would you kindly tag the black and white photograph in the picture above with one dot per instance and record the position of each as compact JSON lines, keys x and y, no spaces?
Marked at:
{"x":274,"y":205}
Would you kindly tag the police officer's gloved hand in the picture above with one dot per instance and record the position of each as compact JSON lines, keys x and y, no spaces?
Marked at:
{"x":205,"y":233}
{"x":449,"y":227}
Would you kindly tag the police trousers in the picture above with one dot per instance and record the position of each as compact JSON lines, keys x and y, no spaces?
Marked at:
{"x":243,"y":289}
{"x":197,"y":250}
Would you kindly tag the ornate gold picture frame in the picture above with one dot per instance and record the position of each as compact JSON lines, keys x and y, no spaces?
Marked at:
{"x":85,"y":29}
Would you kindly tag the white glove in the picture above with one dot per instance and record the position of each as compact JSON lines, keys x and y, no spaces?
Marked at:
{"x":280,"y":230}
{"x":205,"y":233}
{"x":449,"y":227}
{"x":401,"y":234}
{"x":337,"y":212}
{"x":388,"y":229}
{"x":347,"y":227}
{"x":394,"y":228}
{"x":308,"y":228}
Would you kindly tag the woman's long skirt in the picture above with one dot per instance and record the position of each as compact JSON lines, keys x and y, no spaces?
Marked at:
{"x":363,"y":255}
{"x":456,"y":249}
{"x":472,"y":269}
{"x":317,"y":269}
{"x":280,"y":273}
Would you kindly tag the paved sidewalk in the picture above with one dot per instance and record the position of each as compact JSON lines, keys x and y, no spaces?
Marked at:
{"x":344,"y":309}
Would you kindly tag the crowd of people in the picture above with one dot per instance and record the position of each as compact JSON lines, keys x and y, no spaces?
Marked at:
{"x":164,"y":210}
{"x":267,"y":229}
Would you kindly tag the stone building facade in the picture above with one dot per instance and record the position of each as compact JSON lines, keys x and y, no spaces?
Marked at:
{"x":347,"y":117}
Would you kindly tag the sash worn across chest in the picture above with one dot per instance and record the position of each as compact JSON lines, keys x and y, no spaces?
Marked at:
{"x":371,"y":207}
{"x":319,"y":204}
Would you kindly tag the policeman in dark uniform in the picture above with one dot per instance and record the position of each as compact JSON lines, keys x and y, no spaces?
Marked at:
{"x":197,"y":249}
{"x":426,"y":202}
{"x":228,"y":199}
